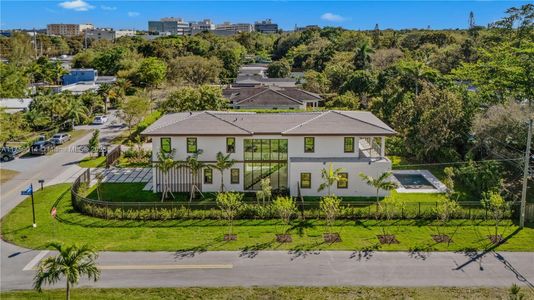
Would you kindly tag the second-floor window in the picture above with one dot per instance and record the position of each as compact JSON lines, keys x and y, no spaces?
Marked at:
{"x":191,"y":145}
{"x":305,"y":180}
{"x":208,"y":176}
{"x":309,"y":144}
{"x":343,"y":184}
{"x":166,"y":145}
{"x":230,"y":145}
{"x":234,"y":176}
{"x":348,"y":144}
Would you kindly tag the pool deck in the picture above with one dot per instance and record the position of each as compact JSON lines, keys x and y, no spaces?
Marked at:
{"x":439,"y":186}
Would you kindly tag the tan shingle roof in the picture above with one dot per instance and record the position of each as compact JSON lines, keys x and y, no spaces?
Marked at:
{"x":246,"y":123}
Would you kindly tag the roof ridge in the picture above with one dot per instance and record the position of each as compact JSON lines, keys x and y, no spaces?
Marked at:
{"x":350,"y":117}
{"x":173,"y":121}
{"x":258,"y":93}
{"x":213,"y":115}
{"x":289,"y":97}
{"x":307,"y":121}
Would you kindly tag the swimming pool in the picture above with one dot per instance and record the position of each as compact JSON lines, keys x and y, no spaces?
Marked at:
{"x":414,"y":181}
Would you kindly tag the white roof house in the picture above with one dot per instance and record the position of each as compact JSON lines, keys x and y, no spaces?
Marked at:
{"x":289,"y":148}
{"x":13,"y":105}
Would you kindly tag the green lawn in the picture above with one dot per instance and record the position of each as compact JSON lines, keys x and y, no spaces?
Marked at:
{"x":436,"y":293}
{"x":172,"y":235}
{"x":93,"y":162}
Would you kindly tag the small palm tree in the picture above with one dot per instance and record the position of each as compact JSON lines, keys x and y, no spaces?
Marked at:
{"x":106,"y":91}
{"x":330,"y":177}
{"x":223,"y":163}
{"x":71,"y":263}
{"x":382,"y":182}
{"x":362,"y":57}
{"x":166,"y":163}
{"x":195,"y":166}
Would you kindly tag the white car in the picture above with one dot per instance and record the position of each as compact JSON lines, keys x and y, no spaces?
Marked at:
{"x":60,"y":138}
{"x":99,"y":120}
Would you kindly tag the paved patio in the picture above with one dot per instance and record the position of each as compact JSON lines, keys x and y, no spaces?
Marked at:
{"x":122,"y":175}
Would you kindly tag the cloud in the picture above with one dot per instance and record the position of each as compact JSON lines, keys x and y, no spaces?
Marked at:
{"x":332,"y":17}
{"x":133,"y":14}
{"x":105,"y":7}
{"x":76,"y":5}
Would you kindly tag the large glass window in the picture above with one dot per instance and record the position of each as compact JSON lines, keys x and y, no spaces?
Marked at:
{"x":309,"y":144}
{"x":234,"y":176}
{"x":343,"y":184}
{"x":230,"y":145}
{"x":305,"y":180}
{"x":166,"y":145}
{"x":265,"y":158}
{"x":191,"y":145}
{"x":208,"y":176}
{"x":348,"y":144}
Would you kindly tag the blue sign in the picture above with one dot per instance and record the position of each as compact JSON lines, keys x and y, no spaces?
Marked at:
{"x":27,"y":192}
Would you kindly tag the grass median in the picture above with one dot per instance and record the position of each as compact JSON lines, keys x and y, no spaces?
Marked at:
{"x":436,"y":293}
{"x":172,"y":235}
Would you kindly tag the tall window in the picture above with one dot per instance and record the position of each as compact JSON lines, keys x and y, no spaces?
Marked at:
{"x":234,"y":176}
{"x":208,"y":176}
{"x":305,"y":180}
{"x":309,"y":144}
{"x":265,"y":158}
{"x":348,"y":144}
{"x":343,"y":184}
{"x":191,"y":145}
{"x":166,"y":145}
{"x":230,"y":145}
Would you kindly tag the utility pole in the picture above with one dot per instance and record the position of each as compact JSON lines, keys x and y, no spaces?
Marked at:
{"x":525,"y":171}
{"x":471,"y":20}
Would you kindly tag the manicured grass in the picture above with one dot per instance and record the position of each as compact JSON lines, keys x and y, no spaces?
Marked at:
{"x":172,"y":235}
{"x":93,"y":162}
{"x":436,"y":293}
{"x":6,"y":175}
{"x":124,"y":192}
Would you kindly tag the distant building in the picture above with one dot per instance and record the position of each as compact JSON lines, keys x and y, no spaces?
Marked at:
{"x":203,"y":25}
{"x":67,"y":29}
{"x":77,"y":75}
{"x":270,"y":97}
{"x":307,"y":27}
{"x":266,"y":26}
{"x":235,"y":28}
{"x":13,"y":105}
{"x":174,"y":26}
{"x":107,"y":34}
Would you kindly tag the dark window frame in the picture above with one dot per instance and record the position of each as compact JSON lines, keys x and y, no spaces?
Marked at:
{"x":236,"y":181}
{"x":228,"y":145}
{"x":161,"y":144}
{"x":345,"y":144}
{"x":187,"y":144}
{"x":206,"y":179}
{"x":313,"y":144}
{"x":302,"y":186}
{"x":345,"y":183}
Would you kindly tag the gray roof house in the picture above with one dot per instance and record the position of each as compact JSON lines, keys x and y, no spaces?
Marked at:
{"x":291,"y":149}
{"x":13,"y":105}
{"x":262,"y":97}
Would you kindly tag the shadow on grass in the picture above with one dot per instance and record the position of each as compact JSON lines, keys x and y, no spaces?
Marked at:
{"x":300,"y":227}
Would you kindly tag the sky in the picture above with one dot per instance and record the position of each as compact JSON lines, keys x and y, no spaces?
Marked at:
{"x":15,"y":14}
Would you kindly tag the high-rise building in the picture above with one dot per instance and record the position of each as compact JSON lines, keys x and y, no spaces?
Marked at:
{"x":67,"y":29}
{"x":175,"y":26}
{"x":266,"y":26}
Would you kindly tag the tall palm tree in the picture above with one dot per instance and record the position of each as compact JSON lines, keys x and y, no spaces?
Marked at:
{"x":195,"y":166}
{"x":106,"y":91}
{"x":223,"y":163}
{"x":76,"y":112}
{"x":165,"y":163}
{"x":382,"y":182}
{"x":330,"y":177}
{"x":362,"y":57}
{"x":71,"y":263}
{"x":416,"y":71}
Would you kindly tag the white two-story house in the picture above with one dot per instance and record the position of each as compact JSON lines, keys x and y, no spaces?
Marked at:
{"x":289,"y":148}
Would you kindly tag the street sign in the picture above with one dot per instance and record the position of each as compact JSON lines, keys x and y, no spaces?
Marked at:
{"x":53,"y":212}
{"x":27,"y":192}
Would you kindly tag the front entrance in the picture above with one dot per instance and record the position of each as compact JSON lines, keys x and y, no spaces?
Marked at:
{"x":265,"y":158}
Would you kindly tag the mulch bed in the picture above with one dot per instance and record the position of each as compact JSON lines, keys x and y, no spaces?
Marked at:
{"x":284,"y":238}
{"x":331,"y":237}
{"x":441,"y":238}
{"x":496,"y":239}
{"x":230,"y":237}
{"x":387,"y":239}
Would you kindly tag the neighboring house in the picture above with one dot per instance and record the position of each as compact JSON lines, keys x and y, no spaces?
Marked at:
{"x":77,"y":75}
{"x":81,"y":87}
{"x":255,"y":80}
{"x":289,"y":148}
{"x":270,"y":98}
{"x":13,"y":105}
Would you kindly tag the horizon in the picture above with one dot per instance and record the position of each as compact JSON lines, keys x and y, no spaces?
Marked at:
{"x":354,"y":15}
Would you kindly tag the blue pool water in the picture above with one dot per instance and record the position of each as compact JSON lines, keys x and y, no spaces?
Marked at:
{"x":414,"y":181}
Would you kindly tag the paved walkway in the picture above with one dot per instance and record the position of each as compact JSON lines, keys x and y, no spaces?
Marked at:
{"x":123,"y":175}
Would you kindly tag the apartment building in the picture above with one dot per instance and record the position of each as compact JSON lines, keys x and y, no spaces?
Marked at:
{"x":107,"y":34}
{"x":175,"y":26}
{"x":67,"y":29}
{"x":266,"y":26}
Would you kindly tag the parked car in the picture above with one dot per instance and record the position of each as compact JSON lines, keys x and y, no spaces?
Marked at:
{"x":60,"y":138}
{"x":41,"y":147}
{"x":9,"y":153}
{"x":99,"y":120}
